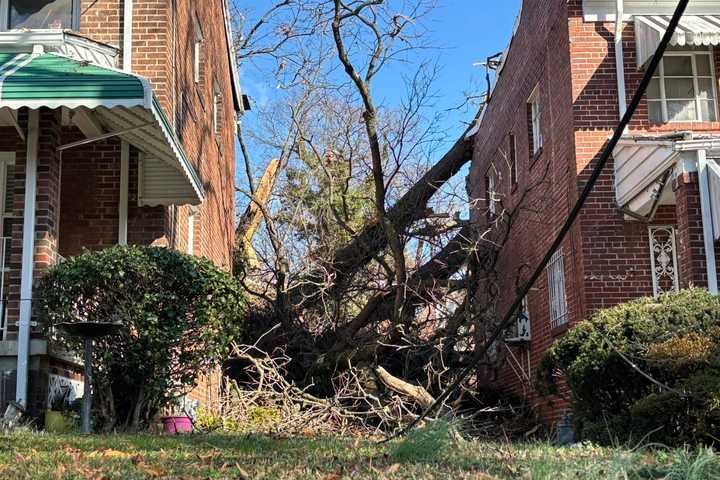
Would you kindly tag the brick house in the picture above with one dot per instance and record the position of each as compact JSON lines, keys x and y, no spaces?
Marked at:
{"x":117,"y":126}
{"x":651,"y":224}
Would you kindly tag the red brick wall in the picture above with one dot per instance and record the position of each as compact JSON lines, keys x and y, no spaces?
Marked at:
{"x":163,"y":38}
{"x":607,"y":258}
{"x":539,"y":55}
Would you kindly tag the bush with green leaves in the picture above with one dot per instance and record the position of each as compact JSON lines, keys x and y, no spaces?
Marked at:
{"x":179,"y":315}
{"x":648,"y":369}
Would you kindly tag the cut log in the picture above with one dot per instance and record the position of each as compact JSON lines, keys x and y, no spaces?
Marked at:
{"x":417,"y":393}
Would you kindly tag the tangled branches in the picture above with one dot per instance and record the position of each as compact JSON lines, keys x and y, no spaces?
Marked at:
{"x":365,"y":401}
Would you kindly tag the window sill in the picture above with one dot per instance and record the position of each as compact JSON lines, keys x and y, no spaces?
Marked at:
{"x":679,"y":126}
{"x":560,"y":329}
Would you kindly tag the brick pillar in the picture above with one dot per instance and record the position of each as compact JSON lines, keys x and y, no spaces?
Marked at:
{"x":48,"y":193}
{"x":690,"y":244}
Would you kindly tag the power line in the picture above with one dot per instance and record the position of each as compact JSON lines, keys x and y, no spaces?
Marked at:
{"x":589,"y":186}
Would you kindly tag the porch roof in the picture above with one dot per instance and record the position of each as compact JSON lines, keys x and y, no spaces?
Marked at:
{"x":693,"y":30}
{"x":123,"y":103}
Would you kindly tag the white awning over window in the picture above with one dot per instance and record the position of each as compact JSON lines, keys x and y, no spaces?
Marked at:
{"x":693,"y":30}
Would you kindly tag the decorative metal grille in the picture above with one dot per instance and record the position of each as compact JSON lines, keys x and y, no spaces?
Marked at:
{"x":556,"y":289}
{"x":663,"y":257}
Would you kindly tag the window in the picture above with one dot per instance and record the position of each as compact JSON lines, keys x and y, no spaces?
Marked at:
{"x":7,"y":211}
{"x":197,"y":52}
{"x":556,"y":289}
{"x":534,"y":132}
{"x":683,"y":88}
{"x":512,"y":160}
{"x":40,"y":14}
{"x":217,"y":111}
{"x":490,"y":195}
{"x":191,"y":230}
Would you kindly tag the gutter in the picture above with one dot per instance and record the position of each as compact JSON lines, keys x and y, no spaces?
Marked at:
{"x":619,"y":58}
{"x":125,"y":147}
{"x":127,"y":35}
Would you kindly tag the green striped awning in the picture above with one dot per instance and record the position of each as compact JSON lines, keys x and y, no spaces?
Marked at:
{"x":122,"y":102}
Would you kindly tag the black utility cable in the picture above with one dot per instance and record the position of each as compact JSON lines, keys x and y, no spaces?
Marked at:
{"x":510,"y":315}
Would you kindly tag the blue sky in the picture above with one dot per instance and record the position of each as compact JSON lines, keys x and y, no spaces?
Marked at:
{"x":464,"y":31}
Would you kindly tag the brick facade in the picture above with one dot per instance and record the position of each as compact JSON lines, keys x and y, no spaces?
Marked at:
{"x":78,"y":191}
{"x":606,"y":255}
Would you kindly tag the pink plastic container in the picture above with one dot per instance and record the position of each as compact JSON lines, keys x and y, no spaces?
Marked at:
{"x":175,"y":425}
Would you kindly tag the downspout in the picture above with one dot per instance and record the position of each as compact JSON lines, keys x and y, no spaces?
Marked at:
{"x":125,"y":147}
{"x":619,"y":57}
{"x":28,"y":258}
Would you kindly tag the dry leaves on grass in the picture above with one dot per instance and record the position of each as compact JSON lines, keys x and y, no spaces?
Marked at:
{"x":152,"y":472}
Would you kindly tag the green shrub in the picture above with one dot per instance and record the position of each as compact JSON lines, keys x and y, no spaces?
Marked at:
{"x":179,"y":315}
{"x":673,"y":339}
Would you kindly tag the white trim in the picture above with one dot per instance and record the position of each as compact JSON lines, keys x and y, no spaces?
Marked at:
{"x":11,"y":63}
{"x":4,"y":14}
{"x":695,"y":77}
{"x":604,"y":10}
{"x":706,"y":209}
{"x":197,"y":50}
{"x":90,"y":103}
{"x":124,"y":193}
{"x":234,"y":74}
{"x":28,"y":254}
{"x":535,"y":120}
{"x":192,"y":212}
{"x":18,"y":62}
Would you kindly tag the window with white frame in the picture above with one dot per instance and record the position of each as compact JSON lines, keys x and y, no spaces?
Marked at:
{"x":191,"y":231}
{"x":197,"y":52}
{"x":683,"y":88}
{"x":534,"y":130}
{"x":217,"y":110}
{"x":490,"y":193}
{"x":39,"y":14}
{"x":556,"y":290}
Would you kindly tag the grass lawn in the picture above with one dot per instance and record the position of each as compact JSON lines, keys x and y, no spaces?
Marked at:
{"x":40,"y":456}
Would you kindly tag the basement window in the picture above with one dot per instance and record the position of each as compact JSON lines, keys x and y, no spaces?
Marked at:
{"x":683,"y":88}
{"x":556,"y":289}
{"x":40,"y":14}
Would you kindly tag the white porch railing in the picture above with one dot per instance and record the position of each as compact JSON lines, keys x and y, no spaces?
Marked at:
{"x":4,"y":269}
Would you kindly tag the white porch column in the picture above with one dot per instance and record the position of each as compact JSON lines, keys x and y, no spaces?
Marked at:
{"x":706,"y":208}
{"x":28,"y":254}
